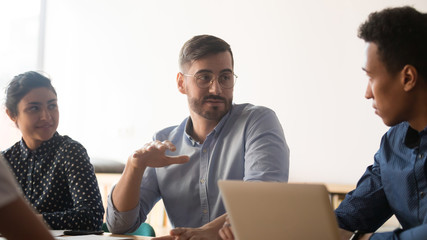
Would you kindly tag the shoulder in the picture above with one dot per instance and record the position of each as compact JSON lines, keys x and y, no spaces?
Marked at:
{"x":72,"y":155}
{"x":394,"y":137}
{"x":70,"y":150}
{"x":250,"y":112}
{"x":250,"y":109}
{"x":67,"y":143}
{"x":13,"y":151}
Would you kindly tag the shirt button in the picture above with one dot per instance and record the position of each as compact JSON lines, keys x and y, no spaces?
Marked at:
{"x":205,"y":211}
{"x":202,"y":181}
{"x":204,"y":150}
{"x":422,"y":194}
{"x":420,"y":156}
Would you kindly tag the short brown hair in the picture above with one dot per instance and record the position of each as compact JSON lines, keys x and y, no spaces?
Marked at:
{"x":200,"y":46}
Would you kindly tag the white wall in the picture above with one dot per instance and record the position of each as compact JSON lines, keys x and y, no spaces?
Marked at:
{"x":18,"y":52}
{"x":114,"y":64}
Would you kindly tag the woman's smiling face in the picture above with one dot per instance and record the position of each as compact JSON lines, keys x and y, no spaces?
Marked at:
{"x":37,"y":117}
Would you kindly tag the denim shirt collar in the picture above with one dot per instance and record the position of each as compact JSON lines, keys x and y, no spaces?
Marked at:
{"x":413,"y":137}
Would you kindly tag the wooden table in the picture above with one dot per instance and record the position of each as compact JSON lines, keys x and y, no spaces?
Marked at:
{"x":338,"y":192}
{"x":56,"y":233}
{"x":127,"y":236}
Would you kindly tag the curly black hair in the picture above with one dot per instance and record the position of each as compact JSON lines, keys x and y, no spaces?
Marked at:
{"x":401,"y":37}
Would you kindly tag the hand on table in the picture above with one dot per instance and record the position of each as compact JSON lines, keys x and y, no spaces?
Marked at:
{"x":190,"y":234}
{"x":208,"y":231}
{"x":225,"y":232}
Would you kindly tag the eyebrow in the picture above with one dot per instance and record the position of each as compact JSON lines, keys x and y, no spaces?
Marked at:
{"x":226,"y":70}
{"x":210,"y":71}
{"x":366,"y":70}
{"x":39,"y":103}
{"x":204,"y":71}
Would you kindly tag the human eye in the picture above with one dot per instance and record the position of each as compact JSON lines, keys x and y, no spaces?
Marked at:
{"x":204,"y":77}
{"x":226,"y":77}
{"x":32,"y":109}
{"x":52,"y":106}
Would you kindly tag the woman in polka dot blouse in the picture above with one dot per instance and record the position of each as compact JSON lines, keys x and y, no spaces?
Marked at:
{"x":54,"y":171}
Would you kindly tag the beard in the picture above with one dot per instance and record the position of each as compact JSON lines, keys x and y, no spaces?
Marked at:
{"x":214,"y":113}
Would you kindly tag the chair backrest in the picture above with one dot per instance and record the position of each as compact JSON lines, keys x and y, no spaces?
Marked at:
{"x":144,"y":229}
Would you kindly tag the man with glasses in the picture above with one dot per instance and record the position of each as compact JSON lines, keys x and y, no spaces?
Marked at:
{"x":219,"y":140}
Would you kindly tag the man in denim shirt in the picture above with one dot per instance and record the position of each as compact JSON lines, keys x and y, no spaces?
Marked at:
{"x":219,"y":140}
{"x":396,"y":64}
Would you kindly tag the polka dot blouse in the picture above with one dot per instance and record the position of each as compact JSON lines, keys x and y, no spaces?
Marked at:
{"x":58,"y":180}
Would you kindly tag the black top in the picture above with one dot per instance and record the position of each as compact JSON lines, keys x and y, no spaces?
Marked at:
{"x":59,"y":182}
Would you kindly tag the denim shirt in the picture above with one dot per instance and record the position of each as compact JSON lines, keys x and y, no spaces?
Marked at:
{"x":395,"y":184}
{"x":247,"y":144}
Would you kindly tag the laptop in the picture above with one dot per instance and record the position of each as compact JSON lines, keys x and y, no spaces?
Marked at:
{"x":273,"y":210}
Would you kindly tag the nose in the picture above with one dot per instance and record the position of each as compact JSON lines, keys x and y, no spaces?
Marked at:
{"x":368,"y":92}
{"x":215,"y":87}
{"x":45,"y":115}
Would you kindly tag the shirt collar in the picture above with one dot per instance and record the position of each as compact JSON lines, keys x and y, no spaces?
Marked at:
{"x":216,"y":130}
{"x":413,"y":137}
{"x":189,"y":128}
{"x":51,"y":143}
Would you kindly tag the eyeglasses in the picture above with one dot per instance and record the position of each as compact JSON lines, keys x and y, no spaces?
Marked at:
{"x":205,"y":79}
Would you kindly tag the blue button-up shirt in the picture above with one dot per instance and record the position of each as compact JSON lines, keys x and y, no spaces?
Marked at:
{"x":247,"y":144}
{"x":395,"y":184}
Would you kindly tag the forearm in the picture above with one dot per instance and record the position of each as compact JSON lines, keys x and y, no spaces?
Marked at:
{"x":366,"y":208}
{"x":125,"y":195}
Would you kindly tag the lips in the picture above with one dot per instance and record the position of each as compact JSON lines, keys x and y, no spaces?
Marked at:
{"x":375,"y":109}
{"x":45,"y":126}
{"x":214,"y":99}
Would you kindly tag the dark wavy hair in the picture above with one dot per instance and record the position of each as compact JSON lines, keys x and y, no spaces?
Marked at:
{"x":200,"y":46}
{"x":23,"y":84}
{"x":401,"y":37}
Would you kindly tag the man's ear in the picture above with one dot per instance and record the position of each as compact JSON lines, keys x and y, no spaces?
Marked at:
{"x":180,"y":83}
{"x":409,"y":77}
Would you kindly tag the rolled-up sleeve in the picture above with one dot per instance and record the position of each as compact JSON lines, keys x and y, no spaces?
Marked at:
{"x":129,"y":221}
